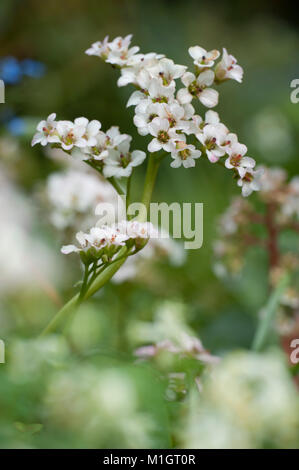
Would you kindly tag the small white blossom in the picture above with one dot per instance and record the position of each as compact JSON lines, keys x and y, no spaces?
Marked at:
{"x":198,"y":87}
{"x":99,"y":48}
{"x":250,"y":181}
{"x":46,"y":132}
{"x":135,"y":229}
{"x":167,"y":71}
{"x":228,"y":68}
{"x":185,"y":155}
{"x":70,"y":134}
{"x":120,"y":161}
{"x":202,"y":58}
{"x":236,"y":159}
{"x":164,"y":135}
{"x":211,"y":137}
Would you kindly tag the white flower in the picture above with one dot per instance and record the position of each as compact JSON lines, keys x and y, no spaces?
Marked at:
{"x":212,"y":137}
{"x":237,"y":160}
{"x":135,"y":67}
{"x":119,"y":52}
{"x":91,"y":129}
{"x":197,"y":123}
{"x":114,"y":137}
{"x":99,"y":48}
{"x":159,"y":93}
{"x":250,"y":181}
{"x":120,"y":161}
{"x":97,"y":239}
{"x":198,"y":87}
{"x":167,"y":71}
{"x":46,"y":131}
{"x":228,"y":68}
{"x":81,"y":238}
{"x":135,"y":229}
{"x":70,"y":135}
{"x":99,"y":151}
{"x":146,"y":111}
{"x":164,"y":134}
{"x":202,"y":58}
{"x":184,"y":154}
{"x":73,"y":194}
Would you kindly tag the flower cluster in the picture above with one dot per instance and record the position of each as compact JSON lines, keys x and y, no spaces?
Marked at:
{"x":243,"y":226}
{"x":108,"y":151}
{"x":73,"y":196}
{"x":102,"y":243}
{"x":167,"y":115}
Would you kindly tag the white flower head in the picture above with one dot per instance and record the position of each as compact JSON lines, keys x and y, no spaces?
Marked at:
{"x":99,"y":48}
{"x":119,"y":51}
{"x":211,"y":137}
{"x":71,"y":134}
{"x":91,"y":130}
{"x":236,"y":159}
{"x":185,"y":155}
{"x":202,"y":58}
{"x":46,"y":131}
{"x":250,"y":181}
{"x":135,"y":229}
{"x":198,"y":87}
{"x":164,"y":135}
{"x":228,"y":68}
{"x":167,"y":71}
{"x":120,"y":161}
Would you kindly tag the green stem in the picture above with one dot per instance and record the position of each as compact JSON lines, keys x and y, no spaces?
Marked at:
{"x":116,"y":186}
{"x":128,"y":193}
{"x":105,"y":275}
{"x":150,"y":179}
{"x":266,"y":320}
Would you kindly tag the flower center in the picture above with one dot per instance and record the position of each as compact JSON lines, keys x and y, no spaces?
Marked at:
{"x":248,"y":177}
{"x":235,"y":160}
{"x":211,"y":143}
{"x":125,"y":159}
{"x":160,"y":99}
{"x":184,"y":154}
{"x":163,"y":137}
{"x":195,"y":89}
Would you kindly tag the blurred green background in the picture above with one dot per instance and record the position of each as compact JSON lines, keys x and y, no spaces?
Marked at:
{"x":263,"y":36}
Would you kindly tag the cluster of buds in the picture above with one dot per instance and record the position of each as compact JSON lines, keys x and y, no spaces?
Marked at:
{"x":243,"y":226}
{"x":102,"y":243}
{"x":109,"y":152}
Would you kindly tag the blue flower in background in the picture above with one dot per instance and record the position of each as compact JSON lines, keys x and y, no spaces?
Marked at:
{"x":33,"y":68}
{"x":16,"y":126}
{"x":12,"y":70}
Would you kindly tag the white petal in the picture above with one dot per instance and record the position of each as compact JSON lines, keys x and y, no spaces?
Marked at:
{"x":138,"y":157}
{"x":209,"y":97}
{"x":184,"y":96}
{"x":205,"y":78}
{"x":188,"y":78}
{"x":154,"y":146}
{"x":66,"y":249}
{"x":196,"y":52}
{"x":189,"y":163}
{"x":135,"y":98}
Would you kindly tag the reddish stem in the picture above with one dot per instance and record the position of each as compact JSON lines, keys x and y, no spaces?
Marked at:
{"x":272,"y":242}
